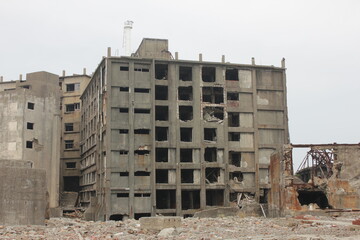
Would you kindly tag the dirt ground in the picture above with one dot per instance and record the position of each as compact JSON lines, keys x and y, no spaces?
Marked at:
{"x":300,"y":228}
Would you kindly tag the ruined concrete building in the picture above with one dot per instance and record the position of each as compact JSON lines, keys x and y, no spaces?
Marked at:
{"x":328,"y":178}
{"x":167,"y":136}
{"x":72,"y":87}
{"x":30,"y":128}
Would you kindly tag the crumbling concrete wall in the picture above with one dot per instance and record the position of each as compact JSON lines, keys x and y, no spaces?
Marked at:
{"x":341,"y":187}
{"x":22,"y":193}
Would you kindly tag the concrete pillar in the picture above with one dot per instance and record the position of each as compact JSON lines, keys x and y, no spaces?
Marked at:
{"x":1,"y":79}
{"x":109,"y":51}
{"x":84,"y":71}
{"x":223,"y":58}
{"x":63,"y":73}
{"x":20,"y":77}
{"x":200,"y":57}
{"x":283,"y":63}
{"x":176,"y":55}
{"x":252,"y":61}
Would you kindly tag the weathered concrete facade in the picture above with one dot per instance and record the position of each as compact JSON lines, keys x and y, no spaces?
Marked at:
{"x":22,"y":193}
{"x":329,"y":179}
{"x":171,"y":137}
{"x":30,"y":125}
{"x":72,"y":88}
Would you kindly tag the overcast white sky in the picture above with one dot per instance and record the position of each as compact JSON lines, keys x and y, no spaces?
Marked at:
{"x":319,"y":39}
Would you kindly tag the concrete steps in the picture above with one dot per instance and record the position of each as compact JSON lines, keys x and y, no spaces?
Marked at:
{"x":68,"y":200}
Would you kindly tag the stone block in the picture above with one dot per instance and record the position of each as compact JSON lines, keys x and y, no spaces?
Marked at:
{"x":159,"y":223}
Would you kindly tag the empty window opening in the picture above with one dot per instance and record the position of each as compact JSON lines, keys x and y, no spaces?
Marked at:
{"x":142,"y":173}
{"x":161,"y":71}
{"x":31,"y":105}
{"x":124,"y":152}
{"x":213,"y":114}
{"x":185,"y":73}
{"x":165,"y":199}
{"x":212,"y":175}
{"x":142,"y":152}
{"x":69,"y":144}
{"x":124,"y":131}
{"x":123,"y":110}
{"x":142,"y":90}
{"x":30,"y":125}
{"x":137,"y":216}
{"x":69,"y":127}
{"x":72,"y":107}
{"x":124,"y":174}
{"x":236,"y":176}
{"x":29,"y":144}
{"x":233,"y":96}
{"x":187,"y":176}
{"x":162,"y":176}
{"x":186,"y":155}
{"x":233,"y":119}
{"x":190,"y":199}
{"x":161,"y":155}
{"x":142,"y":110}
{"x":161,"y":133}
{"x":235,"y":158}
{"x":72,"y":87}
{"x":142,"y":131}
{"x":117,"y":217}
{"x":124,"y":89}
{"x":161,"y":92}
{"x":213,"y":94}
{"x":26,"y":86}
{"x":234,"y":136}
{"x":208,"y":74}
{"x":185,"y":113}
{"x":210,"y":155}
{"x":210,"y":134}
{"x":70,"y":165}
{"x":124,"y":68}
{"x":186,"y":134}
{"x":122,"y":195}
{"x":141,"y":69}
{"x":232,"y":74}
{"x":313,"y":196}
{"x":214,"y":197}
{"x":142,"y":194}
{"x":185,"y":93}
{"x":161,"y":113}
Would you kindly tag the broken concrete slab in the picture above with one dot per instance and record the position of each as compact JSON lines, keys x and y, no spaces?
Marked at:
{"x":159,"y":223}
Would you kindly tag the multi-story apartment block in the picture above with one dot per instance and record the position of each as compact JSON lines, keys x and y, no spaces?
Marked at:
{"x":72,"y":87}
{"x":30,"y":126}
{"x":168,"y":136}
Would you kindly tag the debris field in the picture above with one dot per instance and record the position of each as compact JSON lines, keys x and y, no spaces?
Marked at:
{"x":296,"y":228}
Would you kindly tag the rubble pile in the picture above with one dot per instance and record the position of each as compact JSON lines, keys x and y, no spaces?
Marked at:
{"x":299,"y":228}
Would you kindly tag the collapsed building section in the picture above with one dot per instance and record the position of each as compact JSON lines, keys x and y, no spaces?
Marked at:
{"x":173,"y":137}
{"x":327,"y":178}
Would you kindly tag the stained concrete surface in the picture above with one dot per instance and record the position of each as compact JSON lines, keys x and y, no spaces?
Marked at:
{"x":22,"y":194}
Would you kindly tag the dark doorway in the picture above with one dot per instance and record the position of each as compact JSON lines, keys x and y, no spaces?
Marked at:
{"x":71,"y":184}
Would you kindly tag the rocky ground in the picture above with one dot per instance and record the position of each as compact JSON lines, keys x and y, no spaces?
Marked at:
{"x":300,"y":228}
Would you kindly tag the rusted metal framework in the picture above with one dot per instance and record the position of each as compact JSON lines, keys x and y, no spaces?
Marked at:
{"x":317,"y":163}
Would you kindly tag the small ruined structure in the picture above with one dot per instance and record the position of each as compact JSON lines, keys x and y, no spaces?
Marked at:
{"x":328,"y":178}
{"x":22,"y":193}
{"x":30,"y":126}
